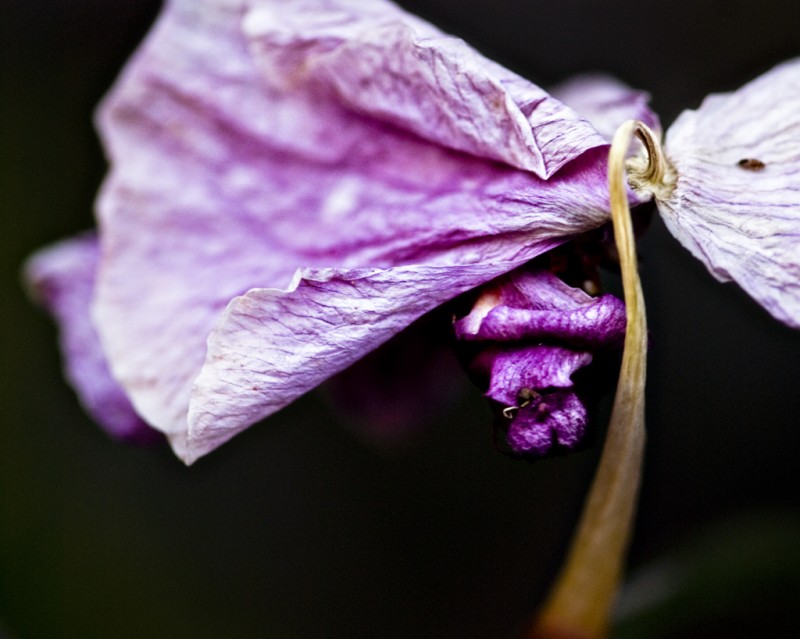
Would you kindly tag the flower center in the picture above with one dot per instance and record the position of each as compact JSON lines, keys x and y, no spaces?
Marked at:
{"x":652,"y":174}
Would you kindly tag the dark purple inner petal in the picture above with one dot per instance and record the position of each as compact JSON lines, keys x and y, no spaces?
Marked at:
{"x":532,"y":333}
{"x":532,"y":367}
{"x":601,"y":323}
{"x":550,"y":421}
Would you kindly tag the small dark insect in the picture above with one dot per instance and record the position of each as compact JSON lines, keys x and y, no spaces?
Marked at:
{"x":751,"y":164}
{"x":524,"y":397}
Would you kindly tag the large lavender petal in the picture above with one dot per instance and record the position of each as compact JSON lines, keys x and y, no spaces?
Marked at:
{"x":271,"y":346}
{"x":736,"y":205}
{"x":62,"y":279}
{"x":221,"y":184}
{"x":379,"y":60}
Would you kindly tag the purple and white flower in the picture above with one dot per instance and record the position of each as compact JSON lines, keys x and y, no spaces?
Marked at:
{"x":292,"y":184}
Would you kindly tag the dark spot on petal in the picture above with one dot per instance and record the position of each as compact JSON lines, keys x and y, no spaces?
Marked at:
{"x":751,"y":164}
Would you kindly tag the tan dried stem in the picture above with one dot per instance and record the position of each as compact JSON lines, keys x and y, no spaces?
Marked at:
{"x":580,"y":604}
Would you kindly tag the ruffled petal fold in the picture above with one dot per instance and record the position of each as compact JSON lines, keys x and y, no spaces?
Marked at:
{"x":61,"y":278}
{"x":271,"y":346}
{"x":222,"y":186}
{"x":537,"y":305}
{"x":374,"y":58}
{"x":736,"y":204}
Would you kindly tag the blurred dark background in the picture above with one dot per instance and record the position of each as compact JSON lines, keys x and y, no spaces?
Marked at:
{"x":299,"y":528}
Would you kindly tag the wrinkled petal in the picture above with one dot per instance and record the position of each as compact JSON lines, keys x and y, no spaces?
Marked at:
{"x":221,"y":184}
{"x":555,"y":419}
{"x":605,"y":102}
{"x":537,"y":305}
{"x":736,"y":205}
{"x":532,"y":367}
{"x":379,"y":60}
{"x":271,"y":346}
{"x":62,"y":279}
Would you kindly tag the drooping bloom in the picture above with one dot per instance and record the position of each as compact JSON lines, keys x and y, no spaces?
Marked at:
{"x":291,"y":184}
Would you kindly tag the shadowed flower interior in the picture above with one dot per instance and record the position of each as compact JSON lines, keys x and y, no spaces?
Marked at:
{"x":533,"y":333}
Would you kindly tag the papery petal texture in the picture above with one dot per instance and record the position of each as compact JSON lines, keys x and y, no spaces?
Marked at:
{"x":736,"y":204}
{"x":271,"y":346}
{"x":224,"y":184}
{"x":62,"y":279}
{"x":379,"y":60}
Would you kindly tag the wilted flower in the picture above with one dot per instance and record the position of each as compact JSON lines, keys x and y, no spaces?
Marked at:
{"x":733,"y":198}
{"x":292,"y":184}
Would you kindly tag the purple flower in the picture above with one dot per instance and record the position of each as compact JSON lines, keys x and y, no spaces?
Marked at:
{"x":537,"y":333}
{"x":291,"y":184}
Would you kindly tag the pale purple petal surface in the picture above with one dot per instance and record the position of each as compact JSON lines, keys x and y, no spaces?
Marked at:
{"x":379,"y":60}
{"x":736,"y":205}
{"x":62,"y":278}
{"x":223,"y":186}
{"x":271,"y":346}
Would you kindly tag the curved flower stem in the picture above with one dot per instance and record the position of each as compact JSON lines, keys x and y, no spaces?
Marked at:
{"x":579,"y":605}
